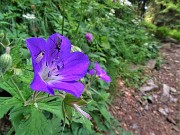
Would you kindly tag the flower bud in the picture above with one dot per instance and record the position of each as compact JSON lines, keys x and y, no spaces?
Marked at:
{"x":5,"y":41}
{"x":33,"y":7}
{"x":5,"y":60}
{"x":89,"y":37}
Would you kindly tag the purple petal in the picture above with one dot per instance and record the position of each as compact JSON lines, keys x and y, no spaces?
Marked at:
{"x":39,"y":85}
{"x":74,"y":88}
{"x":36,"y":46}
{"x":91,"y":72}
{"x":98,"y":68}
{"x":75,"y":67}
{"x":106,"y":78}
{"x":64,"y":45}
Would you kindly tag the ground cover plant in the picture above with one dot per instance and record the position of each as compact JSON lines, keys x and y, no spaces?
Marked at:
{"x":58,"y":59}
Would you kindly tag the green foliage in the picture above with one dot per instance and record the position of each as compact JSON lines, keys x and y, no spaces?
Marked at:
{"x":163,"y":31}
{"x":35,"y":124}
{"x":119,"y":40}
{"x":165,"y":18}
{"x":6,"y":104}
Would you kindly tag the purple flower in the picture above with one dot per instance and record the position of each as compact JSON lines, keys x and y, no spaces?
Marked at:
{"x":89,"y":37}
{"x":100,"y":73}
{"x":55,"y":67}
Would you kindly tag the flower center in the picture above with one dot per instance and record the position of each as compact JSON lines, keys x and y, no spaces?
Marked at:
{"x":50,"y":73}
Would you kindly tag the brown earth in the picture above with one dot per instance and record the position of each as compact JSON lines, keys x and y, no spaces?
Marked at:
{"x":147,"y":113}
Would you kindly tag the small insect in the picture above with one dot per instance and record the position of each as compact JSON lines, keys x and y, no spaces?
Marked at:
{"x":57,"y":44}
{"x":40,"y":56}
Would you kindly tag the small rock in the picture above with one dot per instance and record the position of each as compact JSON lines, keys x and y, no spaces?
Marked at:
{"x":176,"y":61}
{"x":165,"y":95}
{"x":151,"y":64}
{"x":162,"y":111}
{"x":152,"y":133}
{"x":173,"y":90}
{"x":176,"y":129}
{"x":146,"y":107}
{"x":155,"y":97}
{"x":171,"y":120}
{"x":166,"y":110}
{"x":147,"y":88}
{"x":134,"y":126}
{"x":117,"y":107}
{"x":171,"y":99}
{"x":150,"y":82}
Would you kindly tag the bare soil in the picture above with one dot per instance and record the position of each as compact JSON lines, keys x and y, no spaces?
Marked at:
{"x":140,"y":114}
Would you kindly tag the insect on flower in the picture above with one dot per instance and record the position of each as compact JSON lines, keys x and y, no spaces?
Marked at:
{"x":57,"y":45}
{"x":40,"y":56}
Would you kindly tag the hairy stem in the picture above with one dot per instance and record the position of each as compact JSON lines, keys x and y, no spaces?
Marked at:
{"x":63,"y":16}
{"x":18,"y":90}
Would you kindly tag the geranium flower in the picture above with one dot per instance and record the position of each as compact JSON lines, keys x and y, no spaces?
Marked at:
{"x":89,"y":37}
{"x":55,"y":67}
{"x":100,"y":73}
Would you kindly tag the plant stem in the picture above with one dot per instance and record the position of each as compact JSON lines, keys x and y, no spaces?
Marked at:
{"x":2,"y":45}
{"x":80,"y":20}
{"x":18,"y":90}
{"x":10,"y":131}
{"x":63,"y":16}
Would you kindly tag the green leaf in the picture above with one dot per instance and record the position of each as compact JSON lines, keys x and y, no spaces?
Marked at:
{"x":53,"y":107}
{"x":105,"y":113}
{"x":16,"y":54}
{"x":9,"y":87}
{"x":67,"y":111}
{"x":70,"y":99}
{"x":105,"y":43}
{"x":6,"y":103}
{"x":35,"y":124}
{"x":54,"y":127}
{"x":18,"y":114}
{"x":78,"y":118}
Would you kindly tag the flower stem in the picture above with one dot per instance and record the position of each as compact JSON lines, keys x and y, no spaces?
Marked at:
{"x":63,"y":16}
{"x":79,"y":21}
{"x":2,"y":45}
{"x":10,"y":131}
{"x":18,"y":90}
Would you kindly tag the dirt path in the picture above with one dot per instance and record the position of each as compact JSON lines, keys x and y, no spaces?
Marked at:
{"x":154,"y":109}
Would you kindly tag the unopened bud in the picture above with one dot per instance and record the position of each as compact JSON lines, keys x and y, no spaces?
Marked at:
{"x":33,"y":7}
{"x":5,"y":62}
{"x":5,"y":41}
{"x":89,"y":37}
